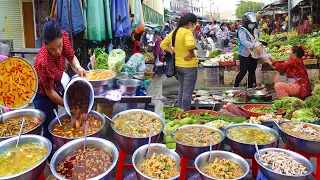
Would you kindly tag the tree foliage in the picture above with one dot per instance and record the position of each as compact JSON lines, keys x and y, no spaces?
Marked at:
{"x":247,"y":6}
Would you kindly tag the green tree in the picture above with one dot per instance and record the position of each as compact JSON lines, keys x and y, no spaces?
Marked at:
{"x":247,"y":6}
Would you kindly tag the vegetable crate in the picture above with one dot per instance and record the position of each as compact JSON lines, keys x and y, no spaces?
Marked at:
{"x":212,"y":76}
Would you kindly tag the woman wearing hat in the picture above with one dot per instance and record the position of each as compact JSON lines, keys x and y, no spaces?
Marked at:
{"x":50,"y":65}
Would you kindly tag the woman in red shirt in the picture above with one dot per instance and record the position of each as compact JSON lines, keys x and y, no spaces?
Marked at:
{"x":50,"y":64}
{"x":296,"y":73}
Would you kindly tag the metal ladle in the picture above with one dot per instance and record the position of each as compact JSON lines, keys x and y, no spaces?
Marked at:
{"x":56,"y":113}
{"x":258,"y":152}
{"x":209,"y":158}
{"x":108,"y":118}
{"x":148,"y":150}
{"x":21,"y":128}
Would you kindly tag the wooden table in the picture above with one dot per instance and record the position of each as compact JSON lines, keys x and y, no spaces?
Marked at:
{"x":24,"y":51}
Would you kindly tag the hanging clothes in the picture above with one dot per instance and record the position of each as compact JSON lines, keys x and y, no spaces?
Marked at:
{"x":76,"y":18}
{"x":96,"y":23}
{"x":120,"y":18}
{"x":108,"y":17}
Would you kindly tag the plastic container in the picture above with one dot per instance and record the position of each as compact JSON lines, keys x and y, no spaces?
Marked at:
{"x":213,"y":81}
{"x":246,"y":108}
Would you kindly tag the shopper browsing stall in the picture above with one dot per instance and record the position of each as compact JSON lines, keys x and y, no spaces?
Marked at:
{"x":248,"y":49}
{"x":186,"y":62}
{"x":297,"y":82}
{"x":223,"y":36}
{"x":50,"y":64}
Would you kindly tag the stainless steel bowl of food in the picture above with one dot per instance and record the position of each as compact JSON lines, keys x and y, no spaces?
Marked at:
{"x":66,"y":133}
{"x":281,"y":164}
{"x":27,"y":164}
{"x":11,"y":121}
{"x":129,"y":86}
{"x":239,"y":165}
{"x":94,"y":148}
{"x":301,"y":136}
{"x":242,"y":137}
{"x":99,"y":78}
{"x":131,"y":128}
{"x":192,"y":140}
{"x":139,"y":75}
{"x":120,"y":75}
{"x":159,"y":154}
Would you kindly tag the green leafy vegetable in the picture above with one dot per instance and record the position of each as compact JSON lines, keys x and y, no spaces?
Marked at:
{"x":313,"y":101}
{"x":215,"y":53}
{"x":316,"y":90}
{"x":101,"y":58}
{"x":284,"y":103}
{"x":304,"y":115}
{"x":171,"y":113}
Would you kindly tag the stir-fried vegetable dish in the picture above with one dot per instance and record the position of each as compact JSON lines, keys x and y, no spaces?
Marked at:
{"x":16,"y":160}
{"x":196,"y":136}
{"x":66,"y":130}
{"x":158,"y":166}
{"x":86,"y":164}
{"x":137,"y":124}
{"x":11,"y":126}
{"x":250,"y":135}
{"x":99,"y":75}
{"x":301,"y":130}
{"x":18,"y":83}
{"x":282,"y":163}
{"x":222,"y":169}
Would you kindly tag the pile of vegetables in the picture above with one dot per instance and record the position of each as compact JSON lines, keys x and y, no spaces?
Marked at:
{"x":313,"y":44}
{"x":215,"y":53}
{"x":298,"y":110}
{"x":149,"y":57}
{"x":101,"y":58}
{"x":116,"y":60}
{"x":171,"y":113}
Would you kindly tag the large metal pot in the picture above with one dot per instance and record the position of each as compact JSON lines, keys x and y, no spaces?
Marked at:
{"x":77,"y":144}
{"x":203,"y":159}
{"x":270,"y":174}
{"x":35,"y":172}
{"x":193,"y":151}
{"x":60,"y":141}
{"x":31,"y":112}
{"x":75,"y":80}
{"x":300,"y":144}
{"x":130,"y":144}
{"x":157,"y":148}
{"x":245,"y":149}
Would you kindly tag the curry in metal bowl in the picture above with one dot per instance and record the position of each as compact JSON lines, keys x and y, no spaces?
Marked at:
{"x":250,"y":135}
{"x":137,"y":124}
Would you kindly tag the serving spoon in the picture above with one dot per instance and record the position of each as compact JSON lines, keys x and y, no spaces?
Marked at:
{"x":56,"y":113}
{"x":258,"y":152}
{"x":209,"y":158}
{"x":21,"y":128}
{"x":150,"y":134}
{"x":108,"y":118}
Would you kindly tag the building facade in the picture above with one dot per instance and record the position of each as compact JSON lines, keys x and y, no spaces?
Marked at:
{"x":194,"y":6}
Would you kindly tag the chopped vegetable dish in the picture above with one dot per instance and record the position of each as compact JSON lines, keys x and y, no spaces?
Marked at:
{"x":301,"y":130}
{"x":222,"y":169}
{"x":11,"y":126}
{"x":99,"y":75}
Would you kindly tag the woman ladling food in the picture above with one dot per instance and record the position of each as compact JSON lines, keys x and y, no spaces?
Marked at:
{"x":50,"y":64}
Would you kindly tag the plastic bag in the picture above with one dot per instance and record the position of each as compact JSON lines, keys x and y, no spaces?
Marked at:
{"x":116,"y":60}
{"x":135,"y":64}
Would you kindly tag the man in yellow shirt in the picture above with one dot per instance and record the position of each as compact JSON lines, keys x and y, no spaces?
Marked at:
{"x":183,"y":45}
